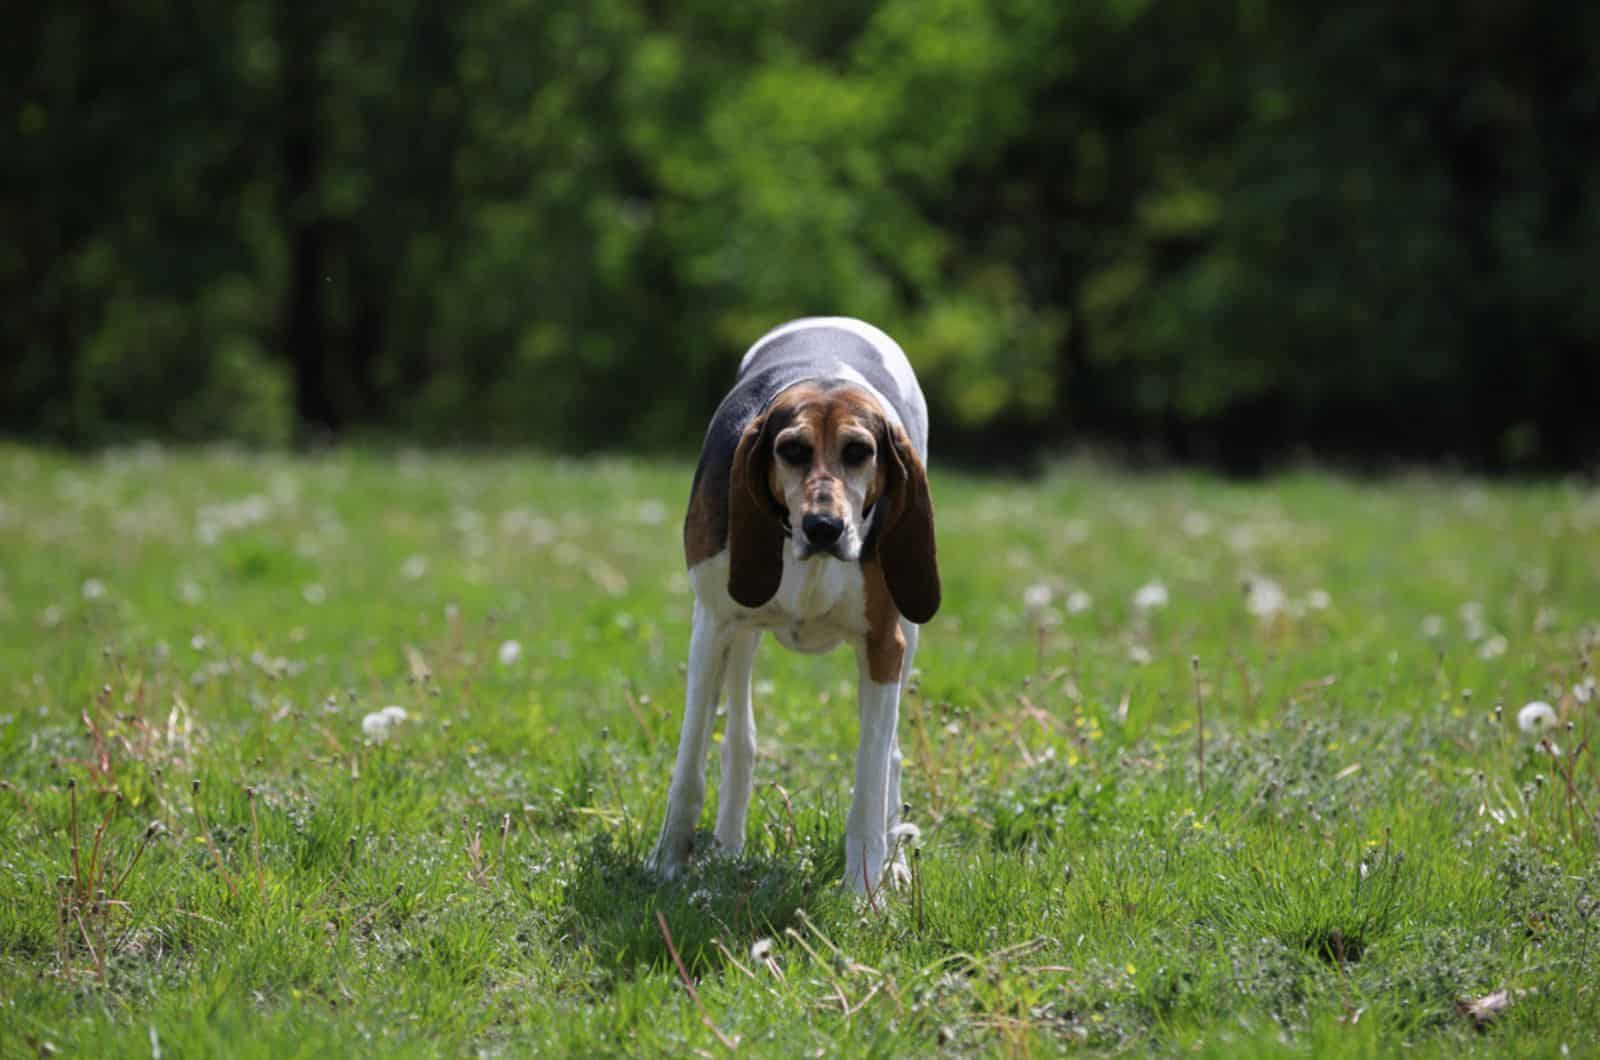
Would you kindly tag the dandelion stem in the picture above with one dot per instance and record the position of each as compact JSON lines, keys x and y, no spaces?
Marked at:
{"x":255,"y":836}
{"x":688,"y":984}
{"x":205,"y":833}
{"x":1199,"y":722}
{"x":149,"y":836}
{"x":72,"y":790}
{"x":95,"y":868}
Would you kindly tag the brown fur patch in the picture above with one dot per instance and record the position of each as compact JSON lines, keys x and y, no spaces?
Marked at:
{"x":705,"y":527}
{"x":906,"y":545}
{"x":886,"y":645}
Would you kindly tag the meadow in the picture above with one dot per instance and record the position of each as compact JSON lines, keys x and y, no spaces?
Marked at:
{"x":213,"y":840}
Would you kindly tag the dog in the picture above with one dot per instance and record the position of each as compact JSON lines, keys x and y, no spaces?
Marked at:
{"x":809,"y":518}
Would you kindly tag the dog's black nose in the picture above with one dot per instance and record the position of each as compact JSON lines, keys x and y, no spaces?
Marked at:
{"x":822,"y":530}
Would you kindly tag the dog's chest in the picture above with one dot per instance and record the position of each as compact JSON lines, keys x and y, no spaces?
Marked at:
{"x":819,"y":603}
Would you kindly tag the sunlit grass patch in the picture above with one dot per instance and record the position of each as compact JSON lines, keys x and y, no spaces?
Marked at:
{"x":365,"y":754}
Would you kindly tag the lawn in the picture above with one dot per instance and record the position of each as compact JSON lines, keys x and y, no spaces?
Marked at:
{"x":207,"y":849}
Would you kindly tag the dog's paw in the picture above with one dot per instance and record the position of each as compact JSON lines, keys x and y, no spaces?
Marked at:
{"x":864,"y":862}
{"x":667,"y":864}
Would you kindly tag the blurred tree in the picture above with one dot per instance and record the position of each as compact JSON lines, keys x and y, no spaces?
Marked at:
{"x":1227,"y":231}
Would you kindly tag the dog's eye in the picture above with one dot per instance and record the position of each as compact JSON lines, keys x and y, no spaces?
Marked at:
{"x":856,"y":453}
{"x":793,"y":452}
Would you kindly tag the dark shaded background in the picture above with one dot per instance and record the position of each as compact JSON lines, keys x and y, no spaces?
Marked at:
{"x":1226,"y":232}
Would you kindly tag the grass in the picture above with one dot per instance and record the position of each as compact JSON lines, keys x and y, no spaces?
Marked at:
{"x":203,"y":853}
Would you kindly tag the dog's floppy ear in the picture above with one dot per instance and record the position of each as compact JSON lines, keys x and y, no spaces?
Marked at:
{"x":905,"y":543}
{"x":755,"y":535}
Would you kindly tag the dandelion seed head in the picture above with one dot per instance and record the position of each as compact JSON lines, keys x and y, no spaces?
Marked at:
{"x":1037,"y":597}
{"x":1150,"y":596}
{"x":376,"y":726}
{"x":1536,"y":716}
{"x":1264,"y":597}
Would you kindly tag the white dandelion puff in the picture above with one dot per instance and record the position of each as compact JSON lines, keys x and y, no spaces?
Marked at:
{"x":904,"y":832}
{"x":1196,"y":524}
{"x":376,"y":726}
{"x":1264,"y":597}
{"x":1036,"y":598}
{"x":510,"y":652}
{"x":1150,"y":596}
{"x":1536,"y":716}
{"x":1078,"y":602}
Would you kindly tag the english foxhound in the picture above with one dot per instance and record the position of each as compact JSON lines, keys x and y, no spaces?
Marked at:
{"x":809,"y":518}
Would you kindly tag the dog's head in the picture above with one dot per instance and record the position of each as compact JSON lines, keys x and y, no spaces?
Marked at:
{"x":825,"y":467}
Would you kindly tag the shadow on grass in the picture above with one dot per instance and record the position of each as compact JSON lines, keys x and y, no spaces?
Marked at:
{"x":613,"y":901}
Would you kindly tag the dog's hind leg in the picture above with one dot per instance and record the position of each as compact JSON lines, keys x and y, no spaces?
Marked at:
{"x":710,"y":643}
{"x":738,"y":742}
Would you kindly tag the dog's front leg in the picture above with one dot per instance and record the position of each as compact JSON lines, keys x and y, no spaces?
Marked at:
{"x":709,"y":644}
{"x":738,"y":743}
{"x":866,"y":842}
{"x":899,"y":871}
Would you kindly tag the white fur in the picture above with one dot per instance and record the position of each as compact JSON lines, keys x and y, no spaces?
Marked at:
{"x":820,"y":603}
{"x":893,"y":357}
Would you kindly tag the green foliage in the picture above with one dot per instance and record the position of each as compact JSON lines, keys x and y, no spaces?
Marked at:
{"x":1218,"y":228}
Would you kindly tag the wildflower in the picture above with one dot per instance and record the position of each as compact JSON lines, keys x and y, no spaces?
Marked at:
{"x":1319,"y":600}
{"x":376,"y":726}
{"x":1433,"y":627}
{"x":380,"y":723}
{"x":1078,"y":602}
{"x":1264,"y":597}
{"x":510,"y":652}
{"x":761,"y":950}
{"x":1494,"y":647}
{"x":314,"y":593}
{"x":903,"y":832}
{"x":93,"y":589}
{"x":1536,"y":716}
{"x":414,"y":567}
{"x":1150,"y":596}
{"x":1036,"y":597}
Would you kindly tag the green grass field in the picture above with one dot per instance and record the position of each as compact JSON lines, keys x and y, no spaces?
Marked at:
{"x":202,"y":853}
